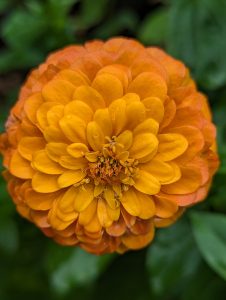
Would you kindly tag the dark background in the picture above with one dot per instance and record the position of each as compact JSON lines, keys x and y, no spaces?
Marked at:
{"x":186,"y":261}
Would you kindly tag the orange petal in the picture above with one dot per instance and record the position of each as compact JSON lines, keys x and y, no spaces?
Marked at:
{"x":189,"y":182}
{"x":40,"y":201}
{"x":74,"y":77}
{"x":31,"y":106}
{"x":165,"y":207}
{"x":148,"y":84}
{"x":20,"y":167}
{"x":57,"y":90}
{"x":28,"y":145}
{"x":138,"y":241}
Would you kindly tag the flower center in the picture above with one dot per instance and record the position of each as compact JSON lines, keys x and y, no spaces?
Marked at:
{"x":112,"y":165}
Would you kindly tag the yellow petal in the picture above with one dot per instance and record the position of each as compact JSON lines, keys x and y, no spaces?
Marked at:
{"x":70,"y":177}
{"x":146,"y":183}
{"x":154,"y":108}
{"x":74,"y":128}
{"x":147,"y":126}
{"x":44,"y":164}
{"x":77,"y":150}
{"x":109,"y":196}
{"x":161,"y":170}
{"x":135,"y":113}
{"x":45,"y":183}
{"x":117,"y":110}
{"x":147,"y":206}
{"x":20,"y":167}
{"x":171,"y":145}
{"x":79,"y":109}
{"x":56,"y":150}
{"x":57,"y":90}
{"x":148,"y":84}
{"x":54,"y":134}
{"x":72,"y":163}
{"x":28,"y":145}
{"x":41,"y":114}
{"x":66,"y":202}
{"x":102,"y":214}
{"x":94,"y":225}
{"x":113,"y":214}
{"x":144,"y":145}
{"x":95,"y":136}
{"x":125,"y":139}
{"x":84,"y":197}
{"x":54,"y":114}
{"x":87,"y":215}
{"x":102,"y":118}
{"x":131,"y":202}
{"x":109,"y":86}
{"x":90,"y":96}
{"x":92,"y":156}
{"x":98,"y":190}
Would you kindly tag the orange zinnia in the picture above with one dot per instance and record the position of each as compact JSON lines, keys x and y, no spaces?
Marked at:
{"x":107,"y":142}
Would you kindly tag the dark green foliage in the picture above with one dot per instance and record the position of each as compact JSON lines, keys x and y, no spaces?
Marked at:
{"x":186,"y":261}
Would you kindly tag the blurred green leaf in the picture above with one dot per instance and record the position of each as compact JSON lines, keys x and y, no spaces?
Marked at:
{"x":153,"y":29}
{"x":172,"y":260}
{"x":74,"y":267}
{"x":209,"y":232}
{"x":196,"y":29}
{"x":126,"y":20}
{"x":91,"y":13}
{"x":9,"y":239}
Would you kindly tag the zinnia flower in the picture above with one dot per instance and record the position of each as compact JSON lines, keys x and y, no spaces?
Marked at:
{"x":106,"y":143}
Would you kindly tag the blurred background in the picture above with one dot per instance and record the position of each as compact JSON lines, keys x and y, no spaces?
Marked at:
{"x":186,"y":261}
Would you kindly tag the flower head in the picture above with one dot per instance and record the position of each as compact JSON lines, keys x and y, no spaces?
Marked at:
{"x":107,"y":142}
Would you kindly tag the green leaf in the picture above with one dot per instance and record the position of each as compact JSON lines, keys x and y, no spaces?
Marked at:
{"x":172,"y":260}
{"x":209,"y":232}
{"x":91,"y":13}
{"x":70,"y":267}
{"x":195,"y":36}
{"x":126,"y":20}
{"x":153,"y":29}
